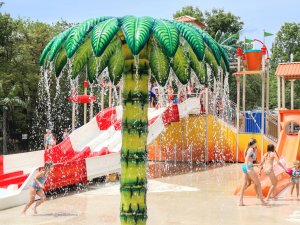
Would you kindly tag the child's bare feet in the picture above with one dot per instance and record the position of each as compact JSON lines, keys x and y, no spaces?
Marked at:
{"x":265,"y":203}
{"x":241,"y":204}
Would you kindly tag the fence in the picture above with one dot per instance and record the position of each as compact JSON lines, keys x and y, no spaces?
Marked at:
{"x":272,"y":127}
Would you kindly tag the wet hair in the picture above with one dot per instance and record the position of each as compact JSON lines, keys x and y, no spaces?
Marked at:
{"x":48,"y":165}
{"x":251,"y":142}
{"x":271,"y":148}
{"x":296,"y":163}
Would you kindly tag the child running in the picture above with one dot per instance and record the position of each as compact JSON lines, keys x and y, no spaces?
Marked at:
{"x":295,"y":179}
{"x":38,"y":186}
{"x":249,"y":173}
{"x":267,"y":166}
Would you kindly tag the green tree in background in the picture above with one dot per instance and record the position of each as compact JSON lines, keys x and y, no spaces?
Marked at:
{"x":190,"y":11}
{"x":21,"y":43}
{"x":287,"y":42}
{"x":215,"y":20}
{"x":8,"y":102}
{"x":226,"y":22}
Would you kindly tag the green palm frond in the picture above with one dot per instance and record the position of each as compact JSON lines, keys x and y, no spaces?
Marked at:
{"x":159,"y":64}
{"x":223,"y":65}
{"x":91,"y":69}
{"x":46,"y":51}
{"x":224,"y":59}
{"x":98,"y":64}
{"x":198,"y":67}
{"x":103,"y":60}
{"x":14,"y":90}
{"x":228,"y":48}
{"x":218,"y":35}
{"x":228,"y":44}
{"x":167,"y":35}
{"x":211,"y":61}
{"x":213,"y":45}
{"x":60,"y":61}
{"x":136,"y":31}
{"x":81,"y":57}
{"x":10,"y":102}
{"x":78,"y":34}
{"x":181,"y":65}
{"x":116,"y":67}
{"x":59,"y":40}
{"x":102,"y":34}
{"x":231,"y":39}
{"x":193,"y":37}
{"x":222,"y":38}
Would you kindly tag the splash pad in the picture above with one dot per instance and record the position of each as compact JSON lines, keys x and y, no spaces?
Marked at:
{"x":137,"y":56}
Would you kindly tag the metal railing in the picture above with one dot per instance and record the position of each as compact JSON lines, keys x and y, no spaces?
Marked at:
{"x":272,"y":127}
{"x":249,"y":121}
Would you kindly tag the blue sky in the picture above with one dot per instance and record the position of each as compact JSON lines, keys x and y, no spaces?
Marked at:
{"x":256,"y":14}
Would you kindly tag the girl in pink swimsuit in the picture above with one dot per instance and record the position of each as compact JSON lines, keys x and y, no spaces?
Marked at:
{"x":267,"y":167}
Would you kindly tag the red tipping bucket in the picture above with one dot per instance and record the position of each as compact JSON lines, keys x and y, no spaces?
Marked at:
{"x":253,"y":58}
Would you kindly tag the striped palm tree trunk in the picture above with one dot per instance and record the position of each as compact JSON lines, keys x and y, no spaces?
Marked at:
{"x":134,"y":139}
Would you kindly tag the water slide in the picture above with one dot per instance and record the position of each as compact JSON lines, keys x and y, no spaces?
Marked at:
{"x":91,"y":151}
{"x":288,"y":149}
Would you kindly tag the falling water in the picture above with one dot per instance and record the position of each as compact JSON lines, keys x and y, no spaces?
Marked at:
{"x":47,"y":76}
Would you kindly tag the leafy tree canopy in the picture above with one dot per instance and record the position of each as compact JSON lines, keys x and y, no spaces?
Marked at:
{"x":21,"y":43}
{"x":215,"y":20}
{"x":226,"y":22}
{"x":287,"y":42}
{"x":190,"y":11}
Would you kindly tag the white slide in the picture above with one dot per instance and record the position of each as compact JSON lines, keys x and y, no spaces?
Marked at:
{"x":88,"y":136}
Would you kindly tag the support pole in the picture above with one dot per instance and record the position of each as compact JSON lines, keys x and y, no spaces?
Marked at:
{"x":292,"y":94}
{"x":91,"y":110}
{"x":292,"y":101}
{"x":73,"y":115}
{"x":278,"y":105}
{"x":102,"y":97}
{"x":237,"y":116}
{"x":109,"y":97}
{"x":84,"y":107}
{"x":120,"y":93}
{"x":215,"y":96}
{"x":268,"y":88}
{"x":283,"y":93}
{"x":244,"y":92}
{"x":262,"y":106}
{"x":206,"y":118}
{"x":238,"y":109}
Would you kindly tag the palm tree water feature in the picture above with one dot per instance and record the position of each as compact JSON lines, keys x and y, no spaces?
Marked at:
{"x":130,"y":47}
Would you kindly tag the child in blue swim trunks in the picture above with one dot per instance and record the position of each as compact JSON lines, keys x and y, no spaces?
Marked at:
{"x":38,"y":186}
{"x":249,"y":173}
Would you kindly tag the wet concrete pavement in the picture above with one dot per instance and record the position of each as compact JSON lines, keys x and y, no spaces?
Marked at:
{"x":203,"y":197}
